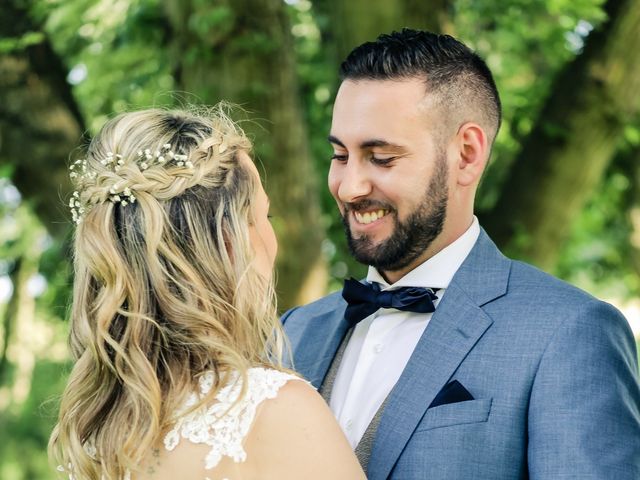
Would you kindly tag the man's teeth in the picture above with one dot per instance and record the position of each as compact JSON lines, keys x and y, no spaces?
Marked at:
{"x":368,"y":217}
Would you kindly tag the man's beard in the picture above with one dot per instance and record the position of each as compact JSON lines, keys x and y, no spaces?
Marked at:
{"x":410,"y":237}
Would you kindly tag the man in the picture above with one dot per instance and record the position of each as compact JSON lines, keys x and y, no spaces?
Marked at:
{"x":485,"y":368}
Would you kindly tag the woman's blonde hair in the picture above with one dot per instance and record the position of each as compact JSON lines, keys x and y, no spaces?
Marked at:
{"x":164,"y":287}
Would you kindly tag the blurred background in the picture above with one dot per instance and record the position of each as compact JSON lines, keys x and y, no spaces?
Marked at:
{"x":562,"y":190}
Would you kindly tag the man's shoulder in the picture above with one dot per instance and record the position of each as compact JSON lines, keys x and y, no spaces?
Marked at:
{"x":527,"y":277}
{"x":552,"y":297}
{"x":519,"y":290}
{"x":490,"y":277}
{"x":538,"y":309}
{"x":323,"y":306}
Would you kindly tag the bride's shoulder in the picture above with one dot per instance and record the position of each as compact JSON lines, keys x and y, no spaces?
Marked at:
{"x":288,"y":397}
{"x":281,"y":400}
{"x":263,"y":384}
{"x":290,"y":403}
{"x":276,"y":423}
{"x":267,"y":382}
{"x":293,"y":436}
{"x":224,"y":423}
{"x":213,"y":433}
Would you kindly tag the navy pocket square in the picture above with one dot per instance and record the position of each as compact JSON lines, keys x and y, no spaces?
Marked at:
{"x":452,"y":392}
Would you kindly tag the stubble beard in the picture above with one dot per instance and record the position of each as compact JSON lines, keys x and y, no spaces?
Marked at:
{"x":410,"y":237}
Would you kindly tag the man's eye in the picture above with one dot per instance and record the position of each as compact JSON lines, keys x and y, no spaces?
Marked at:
{"x":382,"y":160}
{"x":340,"y":158}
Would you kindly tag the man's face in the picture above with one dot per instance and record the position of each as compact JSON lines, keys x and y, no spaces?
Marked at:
{"x":389,"y":173}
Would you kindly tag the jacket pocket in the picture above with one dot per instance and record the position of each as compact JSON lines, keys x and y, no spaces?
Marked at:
{"x":460,"y":413}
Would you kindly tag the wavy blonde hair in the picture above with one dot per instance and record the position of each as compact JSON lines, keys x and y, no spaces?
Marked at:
{"x":164,"y":288}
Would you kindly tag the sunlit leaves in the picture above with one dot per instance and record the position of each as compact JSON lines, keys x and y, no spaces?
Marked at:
{"x":119,"y":47}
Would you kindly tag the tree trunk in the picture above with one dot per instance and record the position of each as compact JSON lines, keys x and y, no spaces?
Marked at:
{"x":21,"y":308}
{"x":358,"y":21}
{"x":634,"y":210}
{"x":40,"y":123}
{"x":10,"y":316}
{"x":563,"y":159}
{"x":243,"y":53}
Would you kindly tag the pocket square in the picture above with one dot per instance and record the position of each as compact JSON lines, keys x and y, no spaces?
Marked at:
{"x":452,"y":392}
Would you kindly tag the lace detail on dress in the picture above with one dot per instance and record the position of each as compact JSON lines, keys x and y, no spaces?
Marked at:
{"x":220,"y":426}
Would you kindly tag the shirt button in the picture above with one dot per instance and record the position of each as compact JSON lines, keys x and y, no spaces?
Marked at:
{"x":349,"y":424}
{"x":378,"y":348}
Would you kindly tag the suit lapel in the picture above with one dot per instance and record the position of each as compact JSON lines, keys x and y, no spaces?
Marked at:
{"x":317,"y":342}
{"x":454,"y":329}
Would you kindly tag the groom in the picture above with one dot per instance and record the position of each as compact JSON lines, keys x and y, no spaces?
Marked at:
{"x":452,"y":361}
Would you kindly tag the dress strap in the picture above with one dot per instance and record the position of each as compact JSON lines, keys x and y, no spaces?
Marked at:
{"x":225,"y":424}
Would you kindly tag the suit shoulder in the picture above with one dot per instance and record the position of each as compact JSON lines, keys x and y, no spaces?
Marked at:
{"x":323,"y":305}
{"x":536,"y":282}
{"x":552,"y":297}
{"x":539,"y":311}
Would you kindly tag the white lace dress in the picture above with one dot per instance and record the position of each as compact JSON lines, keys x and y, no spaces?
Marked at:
{"x":220,"y":425}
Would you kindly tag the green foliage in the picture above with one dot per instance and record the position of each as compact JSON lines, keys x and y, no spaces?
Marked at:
{"x":525,"y":44}
{"x":33,"y":374}
{"x":212,"y":22}
{"x":599,"y":256}
{"x":9,"y":45}
{"x":116,"y":53}
{"x":25,"y":427}
{"x":118,"y":57}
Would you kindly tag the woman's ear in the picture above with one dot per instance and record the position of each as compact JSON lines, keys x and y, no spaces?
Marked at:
{"x":473,"y":149}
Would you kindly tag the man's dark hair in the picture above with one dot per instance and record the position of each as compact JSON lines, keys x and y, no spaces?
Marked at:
{"x":458,"y":78}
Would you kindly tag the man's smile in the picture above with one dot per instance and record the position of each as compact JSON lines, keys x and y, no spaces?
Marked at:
{"x":367,"y":217}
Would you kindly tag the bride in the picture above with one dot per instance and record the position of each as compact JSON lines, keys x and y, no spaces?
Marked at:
{"x":173,"y":327}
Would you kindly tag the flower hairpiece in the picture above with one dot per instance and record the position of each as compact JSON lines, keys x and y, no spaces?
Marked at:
{"x":161,"y":156}
{"x":118,"y":194}
{"x":76,"y":208}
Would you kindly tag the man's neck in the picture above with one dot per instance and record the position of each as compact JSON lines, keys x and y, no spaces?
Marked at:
{"x":439,"y":244}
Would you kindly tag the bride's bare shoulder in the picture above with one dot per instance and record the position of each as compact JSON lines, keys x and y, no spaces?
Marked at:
{"x":295,"y":435}
{"x":281,"y":429}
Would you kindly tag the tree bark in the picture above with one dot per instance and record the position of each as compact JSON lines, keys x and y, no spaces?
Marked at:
{"x":563,"y":159}
{"x":633,"y":211}
{"x":245,"y":55}
{"x":358,"y":21}
{"x":40,"y":123}
{"x":10,"y":316}
{"x":21,"y":306}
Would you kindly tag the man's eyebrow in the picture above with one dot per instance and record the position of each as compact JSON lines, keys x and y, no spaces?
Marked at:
{"x":376,"y":142}
{"x":335,"y":141}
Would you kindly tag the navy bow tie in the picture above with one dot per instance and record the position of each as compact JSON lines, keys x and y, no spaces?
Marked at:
{"x":365,"y":299}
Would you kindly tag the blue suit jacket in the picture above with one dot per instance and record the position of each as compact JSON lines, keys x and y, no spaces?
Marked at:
{"x":553,"y":372}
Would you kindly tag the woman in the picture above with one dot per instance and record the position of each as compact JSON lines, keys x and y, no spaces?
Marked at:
{"x":174,"y":329}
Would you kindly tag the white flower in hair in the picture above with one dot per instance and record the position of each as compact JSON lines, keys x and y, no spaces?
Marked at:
{"x":147,"y":159}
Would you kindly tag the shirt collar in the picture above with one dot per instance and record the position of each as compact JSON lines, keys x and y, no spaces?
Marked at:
{"x":437,"y":271}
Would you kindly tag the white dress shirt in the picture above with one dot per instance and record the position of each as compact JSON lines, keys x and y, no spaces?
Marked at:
{"x":382,"y":343}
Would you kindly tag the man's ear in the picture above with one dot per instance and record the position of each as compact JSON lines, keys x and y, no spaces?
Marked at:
{"x":473,"y":150}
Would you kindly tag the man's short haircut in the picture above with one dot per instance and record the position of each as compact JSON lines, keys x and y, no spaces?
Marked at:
{"x":460,"y":81}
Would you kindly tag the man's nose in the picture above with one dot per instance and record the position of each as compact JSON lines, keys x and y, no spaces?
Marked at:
{"x":355,"y":183}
